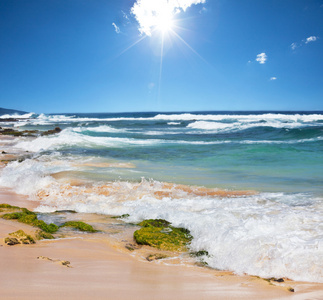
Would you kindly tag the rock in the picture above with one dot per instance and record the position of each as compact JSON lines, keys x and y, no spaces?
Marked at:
{"x":53,"y":131}
{"x":131,"y":247}
{"x":11,"y":241}
{"x":156,"y":256}
{"x":159,"y":234}
{"x":40,"y":235}
{"x":65,"y":263}
{"x":199,"y":253}
{"x":19,"y":237}
{"x":79,"y":225}
{"x":9,"y":120}
{"x":28,"y":217}
{"x":10,"y":131}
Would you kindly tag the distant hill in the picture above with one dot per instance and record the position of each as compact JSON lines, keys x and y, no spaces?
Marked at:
{"x":5,"y":111}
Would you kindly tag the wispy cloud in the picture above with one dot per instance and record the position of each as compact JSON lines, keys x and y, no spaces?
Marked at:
{"x":125,"y":15}
{"x":116,"y":28}
{"x":273,"y":78}
{"x":310,"y":39}
{"x":261,"y":58}
{"x":149,"y":12}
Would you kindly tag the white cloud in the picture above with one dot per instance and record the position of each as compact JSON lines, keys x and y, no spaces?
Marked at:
{"x":273,"y":78}
{"x":261,"y":58}
{"x":149,"y":12}
{"x":311,"y":39}
{"x":116,"y":28}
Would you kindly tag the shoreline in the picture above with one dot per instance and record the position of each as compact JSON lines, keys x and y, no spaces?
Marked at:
{"x":100,"y":270}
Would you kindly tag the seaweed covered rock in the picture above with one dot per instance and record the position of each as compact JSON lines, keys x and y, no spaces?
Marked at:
{"x":28,"y":217}
{"x":8,"y":206}
{"x":52,"y":131}
{"x":156,"y":256}
{"x":13,"y":132}
{"x":42,"y":235}
{"x":30,"y":133}
{"x":80,"y":226}
{"x":160,"y":234}
{"x":19,"y":237}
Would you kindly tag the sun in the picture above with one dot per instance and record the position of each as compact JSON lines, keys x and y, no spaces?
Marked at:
{"x":164,"y":22}
{"x":164,"y":19}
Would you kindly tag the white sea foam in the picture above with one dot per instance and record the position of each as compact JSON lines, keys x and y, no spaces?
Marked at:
{"x":68,"y":138}
{"x":247,"y":117}
{"x":270,"y":235}
{"x":24,"y":116}
{"x":102,"y":128}
{"x":236,"y":126}
{"x":176,"y":118}
{"x":26,"y":177}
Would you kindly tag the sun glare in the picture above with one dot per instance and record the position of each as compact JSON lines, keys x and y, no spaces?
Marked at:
{"x":164,"y":22}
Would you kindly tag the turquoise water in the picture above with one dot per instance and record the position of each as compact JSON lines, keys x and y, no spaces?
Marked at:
{"x":134,"y":163}
{"x":261,"y":151}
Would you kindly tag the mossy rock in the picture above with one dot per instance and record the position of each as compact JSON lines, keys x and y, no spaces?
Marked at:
{"x":154,"y":223}
{"x":19,"y":237}
{"x":121,"y":216}
{"x":156,"y":256}
{"x":8,"y":206}
{"x":80,"y":226}
{"x":11,"y":241}
{"x":30,"y":218}
{"x":42,"y":235}
{"x":159,"y":234}
{"x":52,"y":131}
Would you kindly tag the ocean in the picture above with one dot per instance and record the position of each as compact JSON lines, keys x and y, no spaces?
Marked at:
{"x":172,"y":166}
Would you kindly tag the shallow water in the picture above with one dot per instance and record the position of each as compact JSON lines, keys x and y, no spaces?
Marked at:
{"x":153,"y":165}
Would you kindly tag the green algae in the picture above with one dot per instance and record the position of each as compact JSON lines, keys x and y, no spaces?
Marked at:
{"x":30,"y":133}
{"x":19,"y":237}
{"x":80,"y":226}
{"x":8,"y":206}
{"x":42,"y":235}
{"x":154,"y":223}
{"x":121,"y":216}
{"x":156,"y":256}
{"x":160,"y":234}
{"x":28,"y":217}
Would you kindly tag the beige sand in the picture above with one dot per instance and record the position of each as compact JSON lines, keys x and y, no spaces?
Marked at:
{"x":98,"y":271}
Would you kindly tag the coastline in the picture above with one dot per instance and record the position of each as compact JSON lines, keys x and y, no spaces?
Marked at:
{"x":102,"y":270}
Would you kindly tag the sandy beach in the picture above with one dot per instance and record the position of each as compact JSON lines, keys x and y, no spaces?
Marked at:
{"x":99,"y":271}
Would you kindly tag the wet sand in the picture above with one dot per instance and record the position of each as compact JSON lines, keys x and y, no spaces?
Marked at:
{"x":98,"y":271}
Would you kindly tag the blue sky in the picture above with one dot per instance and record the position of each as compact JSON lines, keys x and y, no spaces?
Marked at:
{"x":105,"y":56}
